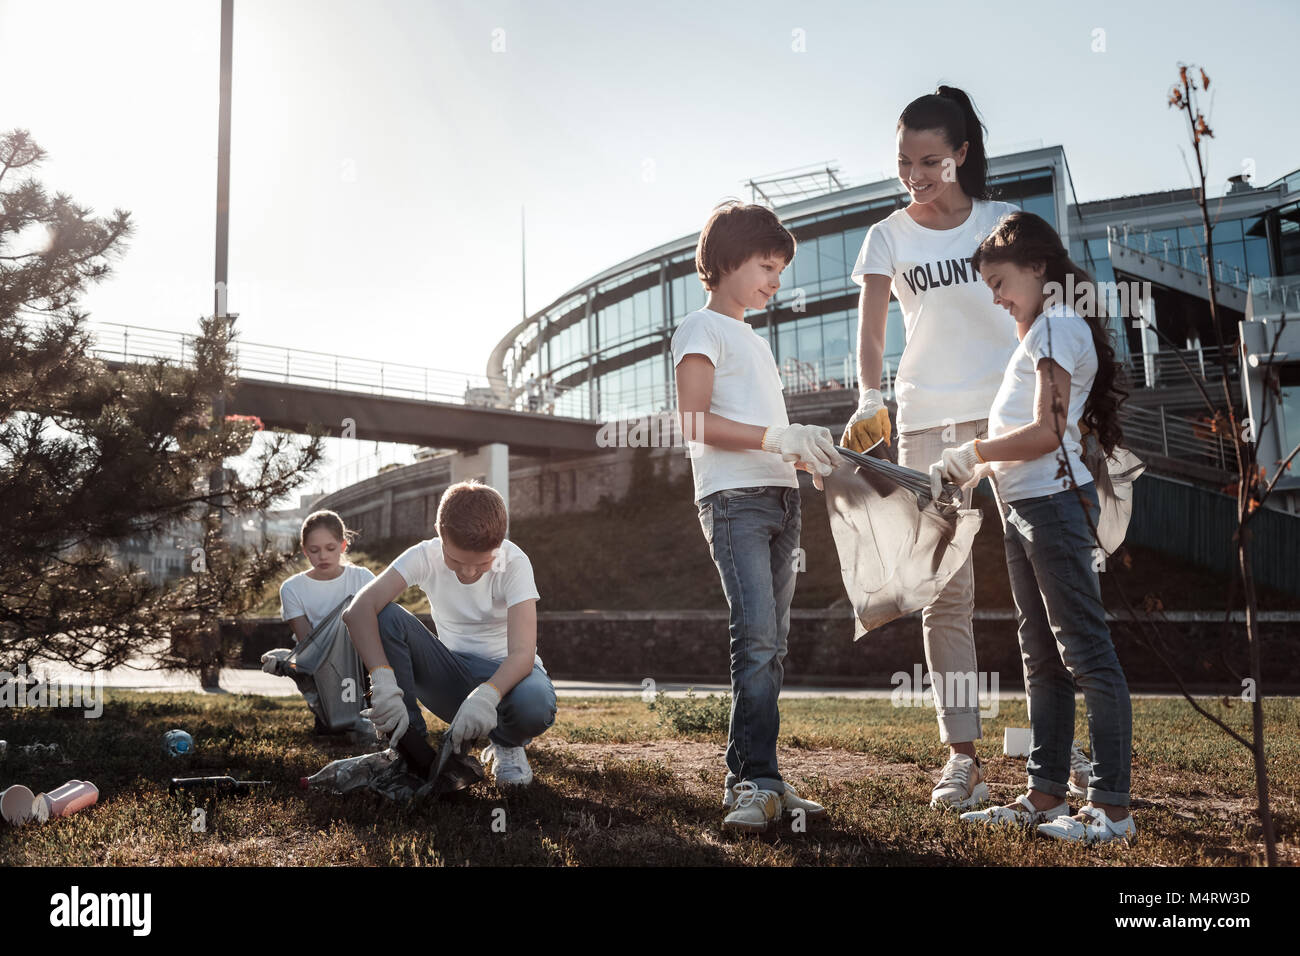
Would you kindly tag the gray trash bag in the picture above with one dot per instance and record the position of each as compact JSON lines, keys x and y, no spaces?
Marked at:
{"x":1114,"y":477}
{"x":898,"y":547}
{"x":331,"y":676}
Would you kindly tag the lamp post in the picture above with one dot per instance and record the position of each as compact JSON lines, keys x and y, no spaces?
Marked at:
{"x":210,"y":674}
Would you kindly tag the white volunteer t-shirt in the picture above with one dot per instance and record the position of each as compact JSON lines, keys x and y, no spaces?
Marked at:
{"x":957,"y":340}
{"x":746,"y":388}
{"x":1071,"y":348}
{"x":470,"y":618}
{"x":301,"y":596}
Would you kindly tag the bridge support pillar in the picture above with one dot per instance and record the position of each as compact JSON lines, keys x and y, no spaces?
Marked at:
{"x":490,"y":464}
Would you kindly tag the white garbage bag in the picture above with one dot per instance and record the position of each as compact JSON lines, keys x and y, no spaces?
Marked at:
{"x":898,"y":548}
{"x":1114,"y":476}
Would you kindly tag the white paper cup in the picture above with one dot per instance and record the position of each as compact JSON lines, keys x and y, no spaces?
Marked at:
{"x":1017,"y":741}
{"x":16,"y":804}
{"x":68,"y":799}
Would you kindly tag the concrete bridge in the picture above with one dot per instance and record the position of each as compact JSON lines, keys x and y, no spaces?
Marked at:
{"x":296,"y":389}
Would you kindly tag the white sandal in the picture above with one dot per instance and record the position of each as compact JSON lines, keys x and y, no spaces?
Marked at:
{"x":1025,"y":814}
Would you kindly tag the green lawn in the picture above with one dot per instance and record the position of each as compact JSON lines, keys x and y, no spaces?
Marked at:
{"x":616,"y":784}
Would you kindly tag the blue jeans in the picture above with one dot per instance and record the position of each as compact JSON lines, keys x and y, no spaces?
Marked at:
{"x":753,"y":534}
{"x":1065,"y":642}
{"x":429,"y":673}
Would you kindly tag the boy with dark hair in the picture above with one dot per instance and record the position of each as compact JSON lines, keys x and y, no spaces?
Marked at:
{"x":744,"y":452}
{"x":481,"y":673}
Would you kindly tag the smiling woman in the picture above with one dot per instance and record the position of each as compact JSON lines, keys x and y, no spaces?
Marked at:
{"x":957,"y":345}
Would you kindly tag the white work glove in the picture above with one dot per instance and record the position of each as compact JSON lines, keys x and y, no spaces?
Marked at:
{"x":476,"y":718}
{"x":810,"y":445}
{"x":386,"y":709}
{"x":869,"y":424}
{"x":961,"y":466}
{"x":271,"y":660}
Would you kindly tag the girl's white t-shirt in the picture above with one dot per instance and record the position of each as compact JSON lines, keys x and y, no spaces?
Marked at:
{"x":746,"y":388}
{"x":957,"y":340}
{"x":470,"y":618}
{"x":1061,"y":335}
{"x":303,"y":596}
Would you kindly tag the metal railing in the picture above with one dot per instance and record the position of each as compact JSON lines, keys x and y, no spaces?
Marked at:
{"x":1190,"y":259}
{"x":1174,"y":437}
{"x":117,"y":342}
{"x":1272,"y":294}
{"x":821,"y":375}
{"x":1171,"y":436}
{"x":1167,"y":369}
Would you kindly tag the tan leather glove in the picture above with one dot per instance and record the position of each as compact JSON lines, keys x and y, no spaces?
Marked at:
{"x":869,"y":424}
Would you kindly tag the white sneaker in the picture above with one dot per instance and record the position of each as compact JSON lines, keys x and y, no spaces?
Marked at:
{"x":961,"y":785}
{"x":1089,"y":825}
{"x":754,"y":808}
{"x":728,"y":797}
{"x":790,"y":801}
{"x":1080,"y":771}
{"x":1022,"y":813}
{"x":508,"y":765}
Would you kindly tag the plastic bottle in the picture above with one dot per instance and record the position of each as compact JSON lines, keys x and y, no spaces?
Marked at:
{"x":66,"y":800}
{"x":351,"y":773}
{"x":177,"y":743}
{"x":215,"y":784}
{"x":4,"y":747}
{"x":38,"y":749}
{"x":16,"y":804}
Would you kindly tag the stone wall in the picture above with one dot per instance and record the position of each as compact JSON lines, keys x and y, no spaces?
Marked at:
{"x":578,"y":484}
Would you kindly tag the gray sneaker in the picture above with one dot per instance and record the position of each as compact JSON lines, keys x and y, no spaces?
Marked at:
{"x":790,"y":801}
{"x":961,"y":785}
{"x":754,"y":808}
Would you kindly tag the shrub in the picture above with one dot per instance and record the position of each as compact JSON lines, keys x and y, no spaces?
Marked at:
{"x":691,"y":714}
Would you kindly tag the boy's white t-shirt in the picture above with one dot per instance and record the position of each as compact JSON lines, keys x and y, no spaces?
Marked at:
{"x":746,"y":388}
{"x":1072,"y":348}
{"x":470,"y":618}
{"x":957,"y":340}
{"x":301,"y":596}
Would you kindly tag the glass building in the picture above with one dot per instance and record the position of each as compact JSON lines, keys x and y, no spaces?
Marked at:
{"x":605,"y":344}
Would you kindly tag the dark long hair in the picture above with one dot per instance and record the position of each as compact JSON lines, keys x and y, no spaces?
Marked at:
{"x":1025,"y":240}
{"x":951,"y":111}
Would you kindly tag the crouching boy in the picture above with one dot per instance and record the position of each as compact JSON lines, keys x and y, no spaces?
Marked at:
{"x":481,"y":673}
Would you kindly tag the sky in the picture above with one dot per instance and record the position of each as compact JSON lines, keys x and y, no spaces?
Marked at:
{"x":382,"y":151}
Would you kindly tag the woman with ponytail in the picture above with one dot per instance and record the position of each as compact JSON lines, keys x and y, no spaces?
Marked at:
{"x":957,"y":345}
{"x":1062,"y":374}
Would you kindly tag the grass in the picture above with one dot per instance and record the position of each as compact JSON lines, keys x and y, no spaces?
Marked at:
{"x":616,"y":784}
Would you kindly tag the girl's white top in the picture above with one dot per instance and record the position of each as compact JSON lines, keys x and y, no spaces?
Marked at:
{"x":303,"y":596}
{"x":1061,"y":335}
